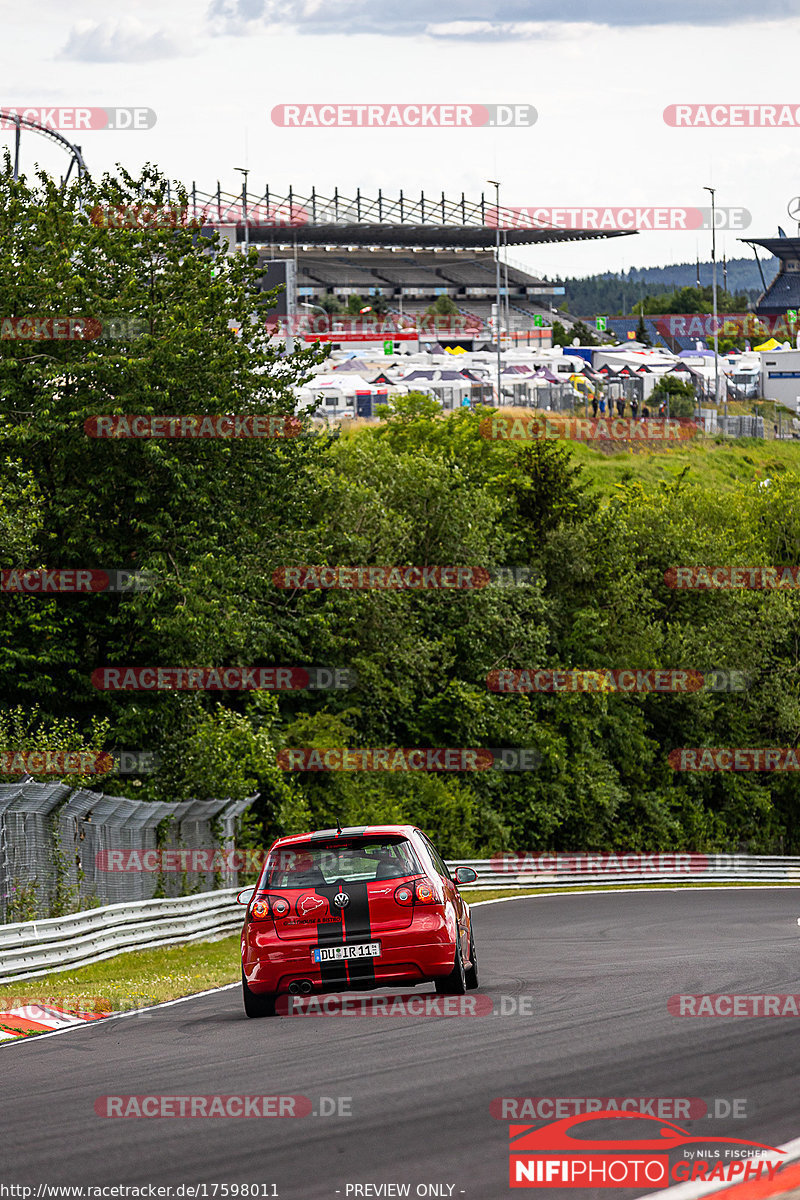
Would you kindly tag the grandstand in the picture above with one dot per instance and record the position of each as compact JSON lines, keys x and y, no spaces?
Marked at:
{"x":783,"y":294}
{"x":406,"y":251}
{"x":410,"y":281}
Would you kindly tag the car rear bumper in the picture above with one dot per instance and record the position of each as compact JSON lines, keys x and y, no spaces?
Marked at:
{"x":408,"y":956}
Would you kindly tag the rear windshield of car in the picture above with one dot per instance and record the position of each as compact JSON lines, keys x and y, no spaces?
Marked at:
{"x":361,"y":861}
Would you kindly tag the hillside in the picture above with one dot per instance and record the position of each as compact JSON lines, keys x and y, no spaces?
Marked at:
{"x":614,"y":292}
{"x":716,"y":465}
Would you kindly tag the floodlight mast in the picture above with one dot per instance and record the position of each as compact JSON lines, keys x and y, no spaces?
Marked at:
{"x":713,"y":192}
{"x":495,"y":184}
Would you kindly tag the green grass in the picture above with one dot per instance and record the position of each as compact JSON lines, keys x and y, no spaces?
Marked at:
{"x":135,"y":979}
{"x":718,"y":466}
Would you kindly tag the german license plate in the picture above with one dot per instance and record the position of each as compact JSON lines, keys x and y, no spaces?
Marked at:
{"x":322,"y":954}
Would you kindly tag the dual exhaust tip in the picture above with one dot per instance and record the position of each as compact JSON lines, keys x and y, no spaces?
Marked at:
{"x":301,"y":987}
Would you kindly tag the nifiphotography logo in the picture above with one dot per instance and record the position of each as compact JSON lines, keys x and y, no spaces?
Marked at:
{"x":628,"y":1149}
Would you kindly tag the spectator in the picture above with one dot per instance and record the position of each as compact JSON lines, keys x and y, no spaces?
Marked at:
{"x":645,"y":413}
{"x":594,"y":407}
{"x":602,"y":406}
{"x":621,"y":406}
{"x":634,"y":408}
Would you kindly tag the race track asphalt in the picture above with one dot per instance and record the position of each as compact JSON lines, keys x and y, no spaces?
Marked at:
{"x":599,"y":970}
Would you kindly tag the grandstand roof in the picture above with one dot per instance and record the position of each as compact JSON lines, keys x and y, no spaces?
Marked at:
{"x":373,"y":221}
{"x":363,"y":268}
{"x":781,"y":247}
{"x":784,"y":291}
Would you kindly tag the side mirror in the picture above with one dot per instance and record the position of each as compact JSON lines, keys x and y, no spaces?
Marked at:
{"x":465,"y":875}
{"x":245,"y":895}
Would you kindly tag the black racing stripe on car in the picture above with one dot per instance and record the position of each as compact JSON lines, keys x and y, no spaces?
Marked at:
{"x":333,"y":974}
{"x":357,"y":928}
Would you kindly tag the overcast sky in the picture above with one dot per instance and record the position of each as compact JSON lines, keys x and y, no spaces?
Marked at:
{"x":214,"y":69}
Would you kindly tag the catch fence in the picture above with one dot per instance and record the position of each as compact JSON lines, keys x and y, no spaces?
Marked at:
{"x":54,"y":844}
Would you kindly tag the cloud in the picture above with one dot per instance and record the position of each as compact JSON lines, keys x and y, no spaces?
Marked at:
{"x":475,"y":20}
{"x":128,"y":41}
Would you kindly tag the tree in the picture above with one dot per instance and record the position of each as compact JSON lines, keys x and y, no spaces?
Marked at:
{"x":585,"y":335}
{"x":379,"y":303}
{"x":560,"y":335}
{"x":642,"y":334}
{"x":547,"y":488}
{"x":206,"y":518}
{"x":695,"y":300}
{"x":442,"y":306}
{"x":679,"y":392}
{"x":565,"y":337}
{"x":330,"y":303}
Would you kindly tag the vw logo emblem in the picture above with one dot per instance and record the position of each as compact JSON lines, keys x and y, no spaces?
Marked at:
{"x":793,"y":208}
{"x":341,"y":900}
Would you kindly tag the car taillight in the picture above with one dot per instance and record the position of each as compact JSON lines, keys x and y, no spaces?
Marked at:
{"x":425,"y":892}
{"x":269,"y":906}
{"x":420,"y":891}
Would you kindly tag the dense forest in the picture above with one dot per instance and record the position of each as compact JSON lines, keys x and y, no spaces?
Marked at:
{"x":621,"y":292}
{"x":212,"y":523}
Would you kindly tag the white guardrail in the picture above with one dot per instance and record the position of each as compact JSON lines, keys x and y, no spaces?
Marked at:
{"x":609,"y":868}
{"x":33,"y":948}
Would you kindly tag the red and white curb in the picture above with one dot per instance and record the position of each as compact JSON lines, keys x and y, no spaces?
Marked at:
{"x":786,"y":1182}
{"x":39,"y":1018}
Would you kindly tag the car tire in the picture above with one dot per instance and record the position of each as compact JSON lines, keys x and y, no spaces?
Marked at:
{"x":454,"y":984}
{"x":472,"y":973}
{"x":256,"y":1005}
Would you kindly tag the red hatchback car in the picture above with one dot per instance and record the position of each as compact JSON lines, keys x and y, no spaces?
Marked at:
{"x":357,"y":908}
